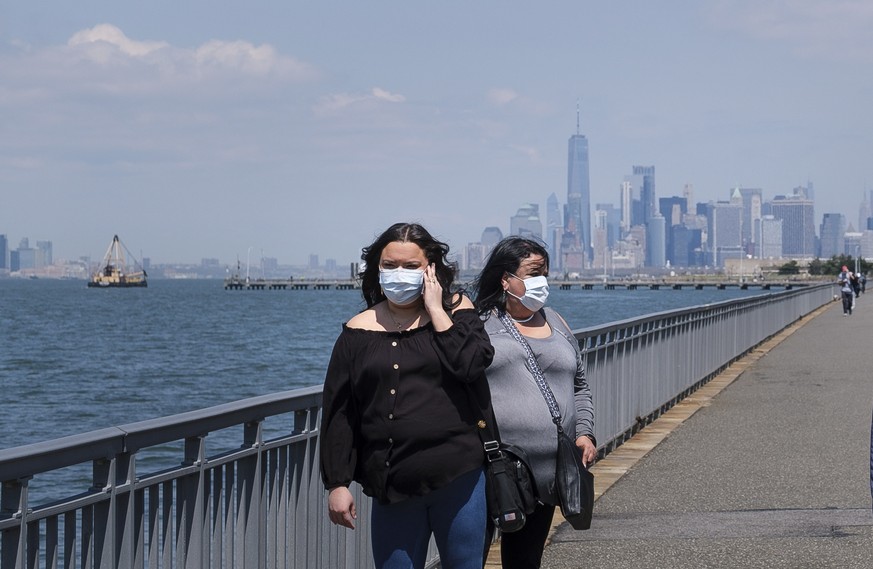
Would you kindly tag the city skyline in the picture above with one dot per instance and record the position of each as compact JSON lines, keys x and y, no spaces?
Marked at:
{"x":286,"y":131}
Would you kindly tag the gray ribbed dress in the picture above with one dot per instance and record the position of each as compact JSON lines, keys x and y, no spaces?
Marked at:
{"x":521,"y":412}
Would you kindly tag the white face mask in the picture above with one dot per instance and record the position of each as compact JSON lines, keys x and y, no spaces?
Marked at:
{"x":536,"y":292}
{"x":401,"y":286}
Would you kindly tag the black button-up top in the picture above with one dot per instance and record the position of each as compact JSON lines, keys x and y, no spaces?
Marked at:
{"x":397,"y":415}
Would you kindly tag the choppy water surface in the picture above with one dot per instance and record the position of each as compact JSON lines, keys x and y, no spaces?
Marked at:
{"x":74,"y":359}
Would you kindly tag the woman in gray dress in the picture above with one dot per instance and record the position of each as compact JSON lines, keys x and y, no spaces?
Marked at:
{"x":514,"y":282}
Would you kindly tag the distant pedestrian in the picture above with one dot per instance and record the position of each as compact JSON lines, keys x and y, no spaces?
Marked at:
{"x":855,"y":279}
{"x":846,"y":290}
{"x":863,"y":279}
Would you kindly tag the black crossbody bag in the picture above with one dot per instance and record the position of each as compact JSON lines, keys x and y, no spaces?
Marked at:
{"x":510,"y":493}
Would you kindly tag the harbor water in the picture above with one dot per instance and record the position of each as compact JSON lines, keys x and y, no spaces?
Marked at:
{"x":74,"y":359}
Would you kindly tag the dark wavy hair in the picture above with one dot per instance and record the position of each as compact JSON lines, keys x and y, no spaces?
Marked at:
{"x":435,"y":252}
{"x":506,"y":257}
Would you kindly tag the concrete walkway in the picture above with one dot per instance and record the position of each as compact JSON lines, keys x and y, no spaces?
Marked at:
{"x":767,"y":466}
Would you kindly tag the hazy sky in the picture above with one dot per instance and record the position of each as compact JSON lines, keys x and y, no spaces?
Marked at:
{"x":201,"y":129}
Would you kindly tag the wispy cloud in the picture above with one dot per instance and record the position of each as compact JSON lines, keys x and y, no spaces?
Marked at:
{"x":826,"y":28}
{"x":501,"y":96}
{"x":103,"y":58}
{"x":337,"y":102}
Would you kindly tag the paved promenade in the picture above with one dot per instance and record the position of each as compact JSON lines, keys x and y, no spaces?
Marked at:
{"x":767,"y":466}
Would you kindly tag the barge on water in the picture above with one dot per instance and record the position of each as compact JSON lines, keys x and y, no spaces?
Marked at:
{"x":113,"y":272}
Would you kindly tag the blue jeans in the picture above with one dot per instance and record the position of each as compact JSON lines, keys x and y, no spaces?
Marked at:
{"x":455,"y":514}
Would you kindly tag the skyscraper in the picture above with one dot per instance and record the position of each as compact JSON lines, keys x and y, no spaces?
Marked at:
{"x":44,"y":254}
{"x":526,"y":222}
{"x":554,"y":229}
{"x":647,"y":190}
{"x":673,"y":209}
{"x":627,"y":199}
{"x":645,"y":208}
{"x":578,"y":214}
{"x":4,"y":251}
{"x":833,"y":235}
{"x":771,"y":238}
{"x":752,"y":200}
{"x":724,"y":220}
{"x":798,"y":224}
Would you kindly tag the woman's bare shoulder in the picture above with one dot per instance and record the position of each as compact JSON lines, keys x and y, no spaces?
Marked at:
{"x":365,"y":320}
{"x":465,"y":303}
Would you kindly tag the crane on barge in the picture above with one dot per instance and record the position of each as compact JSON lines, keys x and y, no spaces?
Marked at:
{"x":113,"y":270}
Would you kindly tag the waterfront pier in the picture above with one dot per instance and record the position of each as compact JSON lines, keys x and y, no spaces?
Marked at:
{"x":767,"y":466}
{"x":238,"y":283}
{"x":238,"y":484}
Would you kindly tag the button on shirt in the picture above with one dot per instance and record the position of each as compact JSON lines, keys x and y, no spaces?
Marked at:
{"x":397,"y":414}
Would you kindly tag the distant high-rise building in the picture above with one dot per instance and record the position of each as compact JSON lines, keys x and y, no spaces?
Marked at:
{"x":491,"y":236}
{"x":476,"y":253}
{"x":685,"y":241}
{"x":798,"y":224}
{"x":833,"y":235}
{"x":577,"y":222}
{"x":770,"y":246}
{"x":4,"y":251}
{"x":313,"y":261}
{"x":864,"y":212}
{"x":752,"y":200}
{"x":526,"y":222}
{"x":688,"y":194}
{"x":26,"y":258}
{"x":656,"y":241}
{"x":642,"y":181}
{"x":853,"y":245}
{"x":647,"y":190}
{"x":627,"y":198}
{"x":613,"y":222}
{"x":601,"y":246}
{"x":673,"y":209}
{"x":724,"y":238}
{"x":44,"y":254}
{"x":554,"y":227}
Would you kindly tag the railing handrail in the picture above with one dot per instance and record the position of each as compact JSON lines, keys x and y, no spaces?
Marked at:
{"x":653,"y":316}
{"x":36,"y":458}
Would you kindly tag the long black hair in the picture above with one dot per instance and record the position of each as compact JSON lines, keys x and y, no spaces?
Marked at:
{"x":506,"y":257}
{"x":435,"y":251}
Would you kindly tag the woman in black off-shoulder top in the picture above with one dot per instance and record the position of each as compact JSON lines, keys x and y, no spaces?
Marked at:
{"x":398,"y":417}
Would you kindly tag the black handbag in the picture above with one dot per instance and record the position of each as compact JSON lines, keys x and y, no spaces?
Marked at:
{"x":573,"y":481}
{"x":575,"y":484}
{"x":509,"y":489}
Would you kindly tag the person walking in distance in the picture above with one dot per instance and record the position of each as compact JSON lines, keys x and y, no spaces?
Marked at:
{"x":844,"y":280}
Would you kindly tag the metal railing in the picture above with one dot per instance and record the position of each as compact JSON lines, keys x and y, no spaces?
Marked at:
{"x":255,"y":500}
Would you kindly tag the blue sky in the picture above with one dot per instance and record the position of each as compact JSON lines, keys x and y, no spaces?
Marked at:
{"x":200,"y":129}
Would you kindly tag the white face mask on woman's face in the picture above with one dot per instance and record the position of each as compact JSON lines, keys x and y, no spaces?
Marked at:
{"x":401,"y":286}
{"x":536,"y":292}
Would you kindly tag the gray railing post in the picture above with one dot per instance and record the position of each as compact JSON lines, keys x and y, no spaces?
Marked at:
{"x":250,"y":482}
{"x":104,"y":514}
{"x":126,"y":525}
{"x":13,"y":504}
{"x":191,"y":510}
